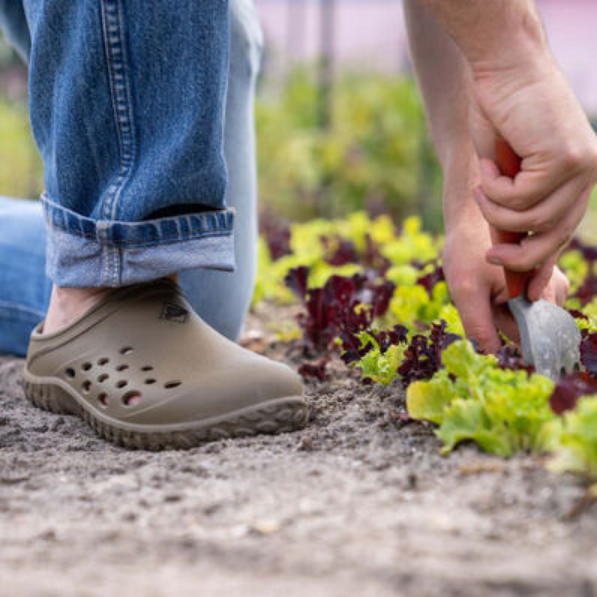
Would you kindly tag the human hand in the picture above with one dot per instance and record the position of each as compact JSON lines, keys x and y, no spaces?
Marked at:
{"x":479,"y":289}
{"x":533,"y":108}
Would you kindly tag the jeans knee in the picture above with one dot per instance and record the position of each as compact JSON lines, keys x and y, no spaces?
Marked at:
{"x":246,"y":39}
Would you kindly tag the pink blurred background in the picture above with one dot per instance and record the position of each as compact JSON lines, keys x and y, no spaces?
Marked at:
{"x":370,"y":34}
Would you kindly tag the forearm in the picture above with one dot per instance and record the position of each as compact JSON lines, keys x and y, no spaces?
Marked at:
{"x":445,"y":82}
{"x":493,"y":35}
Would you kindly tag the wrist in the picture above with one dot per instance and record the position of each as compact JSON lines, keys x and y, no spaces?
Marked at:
{"x":494,"y":36}
{"x":461,"y":212}
{"x":464,"y":220}
{"x":465,"y":223}
{"x":513,"y":71}
{"x":503,"y":36}
{"x":509,"y":49}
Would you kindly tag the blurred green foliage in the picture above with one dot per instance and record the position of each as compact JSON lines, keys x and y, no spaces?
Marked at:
{"x":375,"y":155}
{"x":20,"y":164}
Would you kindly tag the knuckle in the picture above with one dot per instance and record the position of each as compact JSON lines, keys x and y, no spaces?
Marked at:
{"x":462,"y":287}
{"x":534,"y":223}
{"x":482,"y":335}
{"x":572,"y":156}
{"x":541,"y":223}
{"x":577,"y":157}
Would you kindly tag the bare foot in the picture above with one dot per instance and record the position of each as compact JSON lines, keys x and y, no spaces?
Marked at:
{"x":68,"y":304}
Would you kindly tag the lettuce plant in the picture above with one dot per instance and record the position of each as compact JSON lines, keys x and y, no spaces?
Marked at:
{"x":574,"y":440}
{"x":381,"y":366}
{"x":379,"y":296}
{"x":472,"y":398}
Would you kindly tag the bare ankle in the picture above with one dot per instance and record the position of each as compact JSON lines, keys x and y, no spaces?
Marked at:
{"x":68,"y":304}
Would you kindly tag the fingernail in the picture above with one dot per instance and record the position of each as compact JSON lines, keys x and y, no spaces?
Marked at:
{"x":494,"y":260}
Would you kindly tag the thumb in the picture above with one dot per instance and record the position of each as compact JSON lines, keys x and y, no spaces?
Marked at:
{"x":540,"y":280}
{"x":558,"y":288}
{"x":477,"y":318}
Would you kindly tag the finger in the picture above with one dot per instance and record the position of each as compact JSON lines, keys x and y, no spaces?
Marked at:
{"x":502,"y":297}
{"x":539,"y":286}
{"x":561,"y":286}
{"x":540,"y":218}
{"x":506,"y":323}
{"x":531,"y":253}
{"x":535,"y":250}
{"x":531,"y":185}
{"x":477,"y":318}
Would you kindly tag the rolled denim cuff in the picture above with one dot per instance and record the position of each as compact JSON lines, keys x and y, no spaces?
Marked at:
{"x":83,"y":252}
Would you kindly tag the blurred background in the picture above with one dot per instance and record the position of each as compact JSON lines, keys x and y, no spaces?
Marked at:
{"x":339,"y":121}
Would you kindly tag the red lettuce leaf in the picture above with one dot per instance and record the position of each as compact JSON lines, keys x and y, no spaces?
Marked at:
{"x":315,"y":370}
{"x":353,"y":350}
{"x":422,"y":358}
{"x":329,"y":307}
{"x":381,"y":296}
{"x":509,"y":357}
{"x":588,"y":289}
{"x":343,"y":307}
{"x":344,"y":251}
{"x":373,"y":259}
{"x":569,"y":389}
{"x":578,"y":314}
{"x":277,"y":236}
{"x":429,"y":281}
{"x":297,"y":279}
{"x":588,"y":353}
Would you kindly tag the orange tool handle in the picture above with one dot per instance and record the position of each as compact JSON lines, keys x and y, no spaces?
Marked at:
{"x":510,"y":165}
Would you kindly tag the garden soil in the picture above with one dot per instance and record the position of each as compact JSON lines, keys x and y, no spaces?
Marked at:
{"x":360,"y":503}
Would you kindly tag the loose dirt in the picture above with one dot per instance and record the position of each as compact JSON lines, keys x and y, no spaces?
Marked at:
{"x":360,"y":503}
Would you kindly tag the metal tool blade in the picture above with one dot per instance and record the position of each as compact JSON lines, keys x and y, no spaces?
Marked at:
{"x":549,"y":337}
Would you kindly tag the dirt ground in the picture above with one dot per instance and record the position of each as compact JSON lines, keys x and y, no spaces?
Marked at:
{"x":360,"y":503}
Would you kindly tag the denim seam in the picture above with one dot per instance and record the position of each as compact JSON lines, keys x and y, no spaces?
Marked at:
{"x":188,"y":227}
{"x":122,"y":105}
{"x":8,"y":311}
{"x":168,"y":240}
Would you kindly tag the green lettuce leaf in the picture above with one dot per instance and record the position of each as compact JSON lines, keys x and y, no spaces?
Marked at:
{"x":574,"y":440}
{"x":428,"y":400}
{"x":468,"y":420}
{"x":381,"y":368}
{"x":472,"y":399}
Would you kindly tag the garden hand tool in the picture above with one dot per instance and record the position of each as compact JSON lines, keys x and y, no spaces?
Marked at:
{"x":549,"y":336}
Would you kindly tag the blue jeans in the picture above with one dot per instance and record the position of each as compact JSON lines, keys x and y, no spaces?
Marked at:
{"x":170,"y":212}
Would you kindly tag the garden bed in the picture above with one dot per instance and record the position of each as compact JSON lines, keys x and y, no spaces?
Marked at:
{"x":359,"y":503}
